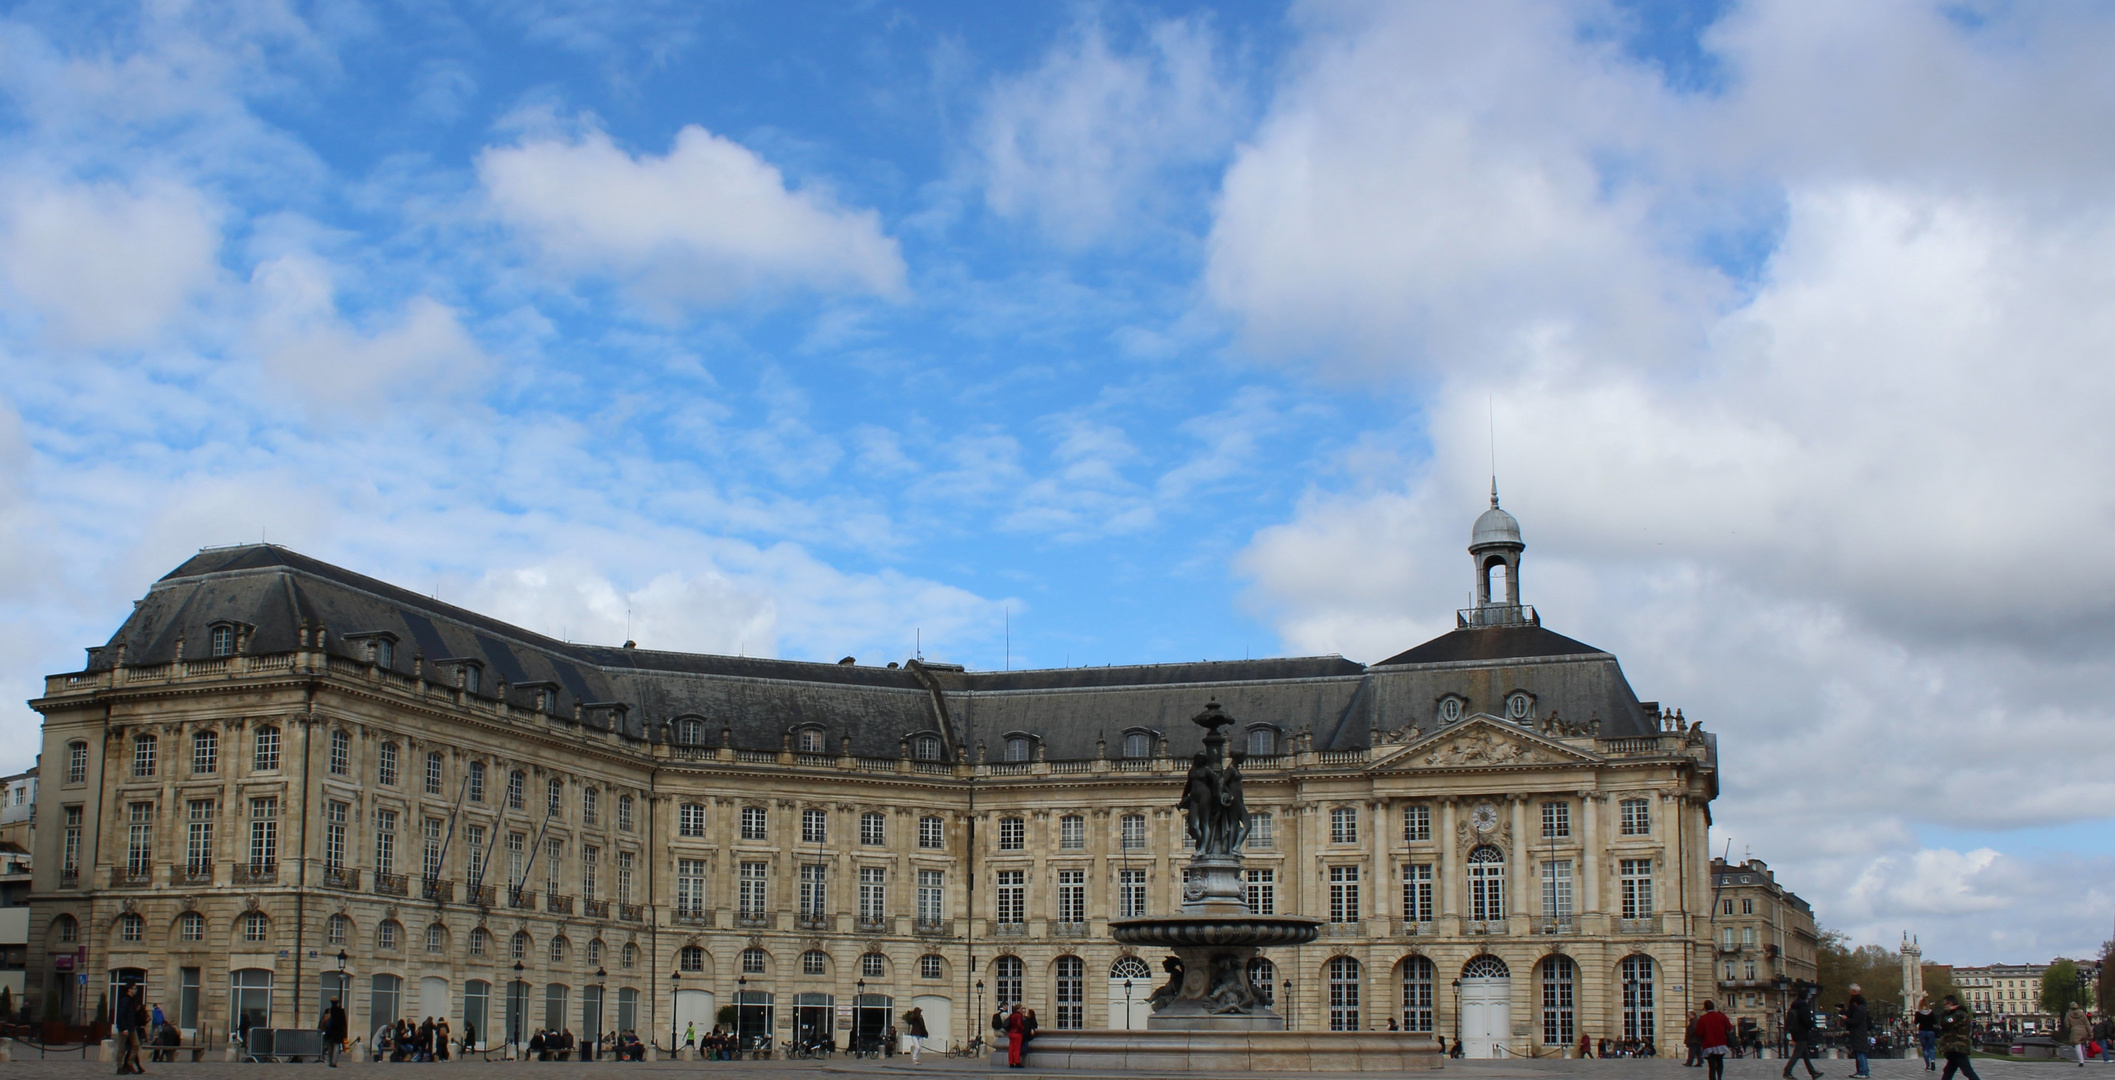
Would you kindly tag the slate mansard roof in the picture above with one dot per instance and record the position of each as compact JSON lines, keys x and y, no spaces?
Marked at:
{"x":270,"y":593}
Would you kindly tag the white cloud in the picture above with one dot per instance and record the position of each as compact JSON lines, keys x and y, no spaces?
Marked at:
{"x":1083,"y":144}
{"x":423,"y":353}
{"x":105,"y":264}
{"x":1848,"y":516}
{"x":707,"y":223}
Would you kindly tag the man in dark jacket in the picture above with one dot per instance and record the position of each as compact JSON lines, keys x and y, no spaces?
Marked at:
{"x":1858,"y":1030}
{"x":130,"y":1018}
{"x":1799,"y":1027}
{"x":333,"y":1028}
{"x":1956,"y":1030}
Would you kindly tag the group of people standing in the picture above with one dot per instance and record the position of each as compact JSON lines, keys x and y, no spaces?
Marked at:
{"x":1018,"y":1026}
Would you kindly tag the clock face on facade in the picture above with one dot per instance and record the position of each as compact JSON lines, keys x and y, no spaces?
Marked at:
{"x":1484,"y":818}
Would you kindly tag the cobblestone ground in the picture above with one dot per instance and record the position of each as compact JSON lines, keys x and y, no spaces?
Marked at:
{"x":73,"y":1068}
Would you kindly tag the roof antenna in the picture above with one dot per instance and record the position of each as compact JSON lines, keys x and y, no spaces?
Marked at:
{"x":918,"y":642}
{"x":1009,"y":638}
{"x":1490,"y":407}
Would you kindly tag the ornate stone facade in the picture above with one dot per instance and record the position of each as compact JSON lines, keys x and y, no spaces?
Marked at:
{"x":275,"y":761}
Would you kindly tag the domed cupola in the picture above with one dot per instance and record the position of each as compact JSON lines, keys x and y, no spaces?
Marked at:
{"x":1494,"y":549}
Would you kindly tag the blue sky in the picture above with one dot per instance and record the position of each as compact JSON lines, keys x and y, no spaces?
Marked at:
{"x":1152,"y":331}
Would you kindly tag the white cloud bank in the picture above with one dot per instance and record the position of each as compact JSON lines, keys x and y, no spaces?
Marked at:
{"x":707,"y":223}
{"x":104,"y":264}
{"x":1849,"y":511}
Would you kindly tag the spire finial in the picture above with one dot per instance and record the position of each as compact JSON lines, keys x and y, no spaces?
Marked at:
{"x":1494,"y":491}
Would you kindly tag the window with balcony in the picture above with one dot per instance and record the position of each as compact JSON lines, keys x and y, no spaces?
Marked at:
{"x":1131,"y":832}
{"x":1343,"y":894}
{"x":1072,"y":896}
{"x":1417,"y":893}
{"x":1262,"y":892}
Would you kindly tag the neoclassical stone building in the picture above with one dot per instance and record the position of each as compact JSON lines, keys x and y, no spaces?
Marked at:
{"x":278,"y":769}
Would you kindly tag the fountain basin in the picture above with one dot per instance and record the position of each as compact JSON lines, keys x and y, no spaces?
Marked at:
{"x":1253,"y":931}
{"x":1216,"y":1053}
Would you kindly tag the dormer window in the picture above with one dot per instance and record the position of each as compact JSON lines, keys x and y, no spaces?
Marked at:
{"x":547,"y":700}
{"x":1019,"y":747}
{"x":385,"y":653}
{"x":223,"y":640}
{"x":1519,"y":705}
{"x":809,"y":740}
{"x":926,"y":748}
{"x":690,"y":731}
{"x":1138,"y":744}
{"x":473,"y":679}
{"x":1262,"y":741}
{"x":1450,"y":709}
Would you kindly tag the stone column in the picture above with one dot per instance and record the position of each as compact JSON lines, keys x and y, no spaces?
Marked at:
{"x":1381,"y":876}
{"x":1591,"y":850}
{"x":1449,"y":871}
{"x":1517,"y":910}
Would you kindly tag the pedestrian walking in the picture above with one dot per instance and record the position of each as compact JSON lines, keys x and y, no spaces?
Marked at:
{"x":1955,"y":1041}
{"x":1858,"y":1032}
{"x":914,"y":1022}
{"x":1714,"y":1032}
{"x":332,"y":1025}
{"x":2076,"y":1032}
{"x":1799,"y":1027}
{"x":1692,"y":1043}
{"x":1928,"y":1033}
{"x":130,"y":1015}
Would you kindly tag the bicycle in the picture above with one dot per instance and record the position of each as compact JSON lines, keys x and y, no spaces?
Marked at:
{"x":975,"y":1048}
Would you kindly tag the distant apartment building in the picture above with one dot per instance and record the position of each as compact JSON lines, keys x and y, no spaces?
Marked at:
{"x":1763,"y":942}
{"x":18,"y":806}
{"x":2009,"y":995}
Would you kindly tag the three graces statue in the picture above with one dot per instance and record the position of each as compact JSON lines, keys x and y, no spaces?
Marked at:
{"x":1211,"y":795}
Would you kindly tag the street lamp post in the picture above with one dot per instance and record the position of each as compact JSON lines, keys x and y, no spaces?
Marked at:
{"x":518,"y":991}
{"x":859,"y":1012}
{"x":675,"y":981}
{"x":1457,"y":1019}
{"x":1288,"y":1005}
{"x":343,"y":992}
{"x":741,"y":1006}
{"x":601,"y":1003}
{"x":979,"y":1018}
{"x":1127,"y":1004}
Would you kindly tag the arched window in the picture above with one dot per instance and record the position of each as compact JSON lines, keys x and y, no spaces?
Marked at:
{"x":1138,"y":744}
{"x":1486,"y":884}
{"x":809,"y":740}
{"x":337,"y":931}
{"x":191,"y":926}
{"x":754,"y":961}
{"x":1343,"y":994}
{"x":388,"y":935}
{"x":631,"y":955}
{"x":1636,"y":975}
{"x":814,"y":962}
{"x":255,"y":927}
{"x":690,"y":731}
{"x":436,"y":938}
{"x":1007,"y":973}
{"x":131,"y":927}
{"x":926,"y":748}
{"x":480,"y":941}
{"x":1018,"y":747}
{"x":558,"y":948}
{"x":691,"y":958}
{"x":1559,"y":980}
{"x":932,"y":966}
{"x":223,"y":641}
{"x":1071,"y":993}
{"x":873,"y":965}
{"x":66,"y":929}
{"x":1486,"y":967}
{"x":1131,"y":967}
{"x":520,"y":948}
{"x":1262,"y":741}
{"x":1417,"y":993}
{"x":1262,"y":977}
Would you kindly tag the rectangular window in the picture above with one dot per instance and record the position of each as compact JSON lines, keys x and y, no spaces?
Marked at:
{"x":624,"y":813}
{"x":139,"y":839}
{"x":334,"y":815}
{"x":474,"y":839}
{"x":433,"y":773}
{"x":1556,"y":820}
{"x":77,"y":763}
{"x":205,"y":752}
{"x":624,"y":877}
{"x":932,"y":833}
{"x":873,"y":829}
{"x":1417,"y":893}
{"x":1343,"y":894}
{"x":589,"y":797}
{"x":690,"y":886}
{"x":754,"y":879}
{"x":1747,"y":907}
{"x":590,"y":870}
{"x":814,"y":889}
{"x":931,"y":898}
{"x":1012,"y":905}
{"x":690,"y":819}
{"x":1013,"y":834}
{"x":1072,"y":833}
{"x":1133,"y":832}
{"x":340,"y":753}
{"x":1344,"y":825}
{"x":553,"y":798}
{"x":1747,"y":936}
{"x":476,"y":785}
{"x":143,"y":755}
{"x":814,"y":827}
{"x":1130,"y":893}
{"x":198,"y":845}
{"x":264,"y":835}
{"x":430,"y":853}
{"x":1557,"y":888}
{"x":1072,"y":896}
{"x":187,"y":998}
{"x":873,"y":893}
{"x":70,"y":866}
{"x":1417,"y":823}
{"x":1262,"y":892}
{"x":385,"y":841}
{"x":1261,"y":829}
{"x":517,"y":790}
{"x":553,"y":854}
{"x":1637,"y":888}
{"x":1637,"y":817}
{"x":753,"y":822}
{"x":386,"y":765}
{"x":266,"y":757}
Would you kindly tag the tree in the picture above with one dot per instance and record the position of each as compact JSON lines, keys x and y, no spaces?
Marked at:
{"x":2062,"y":988}
{"x":1938,"y":982}
{"x":1876,"y":972}
{"x":2107,"y":977}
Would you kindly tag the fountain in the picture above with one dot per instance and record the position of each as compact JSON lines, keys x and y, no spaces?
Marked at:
{"x":1208,"y":1017}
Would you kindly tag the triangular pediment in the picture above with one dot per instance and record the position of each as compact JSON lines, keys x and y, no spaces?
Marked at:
{"x":1483,"y":741}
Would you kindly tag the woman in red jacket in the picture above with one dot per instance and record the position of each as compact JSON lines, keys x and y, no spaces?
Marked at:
{"x":1016,"y":1037}
{"x":1714,"y":1031}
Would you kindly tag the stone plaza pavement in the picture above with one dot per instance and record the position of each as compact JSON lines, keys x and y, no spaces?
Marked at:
{"x":73,"y":1068}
